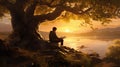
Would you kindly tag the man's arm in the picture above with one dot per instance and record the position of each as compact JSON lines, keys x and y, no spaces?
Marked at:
{"x":55,"y":35}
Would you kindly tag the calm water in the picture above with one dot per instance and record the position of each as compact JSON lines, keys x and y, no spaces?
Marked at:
{"x":87,"y":44}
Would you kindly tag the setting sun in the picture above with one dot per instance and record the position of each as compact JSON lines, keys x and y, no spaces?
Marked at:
{"x":67,"y":30}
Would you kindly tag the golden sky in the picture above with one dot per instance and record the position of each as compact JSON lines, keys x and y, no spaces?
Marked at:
{"x":73,"y":26}
{"x":62,"y":26}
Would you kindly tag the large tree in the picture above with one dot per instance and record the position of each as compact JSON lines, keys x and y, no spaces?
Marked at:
{"x":26,"y":15}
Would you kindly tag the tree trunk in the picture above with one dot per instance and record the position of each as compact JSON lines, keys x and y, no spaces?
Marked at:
{"x":24,"y":30}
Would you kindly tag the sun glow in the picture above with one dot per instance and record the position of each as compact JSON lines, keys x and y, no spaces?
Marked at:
{"x":73,"y":26}
{"x":67,"y":30}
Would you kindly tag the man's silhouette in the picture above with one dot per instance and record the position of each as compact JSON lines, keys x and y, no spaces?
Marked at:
{"x":54,"y":38}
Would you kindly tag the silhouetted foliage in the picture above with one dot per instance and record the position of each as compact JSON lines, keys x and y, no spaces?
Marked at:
{"x":113,"y":54}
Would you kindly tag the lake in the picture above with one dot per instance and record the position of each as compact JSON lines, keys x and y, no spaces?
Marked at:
{"x":87,"y":44}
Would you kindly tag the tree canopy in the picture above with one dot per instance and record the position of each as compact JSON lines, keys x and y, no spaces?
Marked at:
{"x":100,"y":10}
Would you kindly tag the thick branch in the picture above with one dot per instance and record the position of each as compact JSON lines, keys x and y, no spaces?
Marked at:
{"x":52,"y":1}
{"x":50,"y":16}
{"x":30,"y":9}
{"x":57,"y":12}
{"x":6,"y":4}
{"x":18,"y":4}
{"x":21,"y":4}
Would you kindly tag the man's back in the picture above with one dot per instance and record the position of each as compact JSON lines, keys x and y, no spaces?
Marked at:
{"x":52,"y":36}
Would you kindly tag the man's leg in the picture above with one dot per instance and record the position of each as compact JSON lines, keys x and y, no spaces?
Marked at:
{"x":61,"y":41}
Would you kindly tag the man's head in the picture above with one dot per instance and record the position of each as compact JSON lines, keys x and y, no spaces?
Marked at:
{"x":54,"y":29}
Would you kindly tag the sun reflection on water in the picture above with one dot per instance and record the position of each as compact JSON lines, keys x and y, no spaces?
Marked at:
{"x":88,"y":45}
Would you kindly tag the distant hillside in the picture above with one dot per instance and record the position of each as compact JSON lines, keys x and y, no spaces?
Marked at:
{"x":114,"y":32}
{"x":60,"y":34}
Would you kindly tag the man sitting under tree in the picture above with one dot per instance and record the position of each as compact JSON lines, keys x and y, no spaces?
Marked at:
{"x":54,"y":38}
